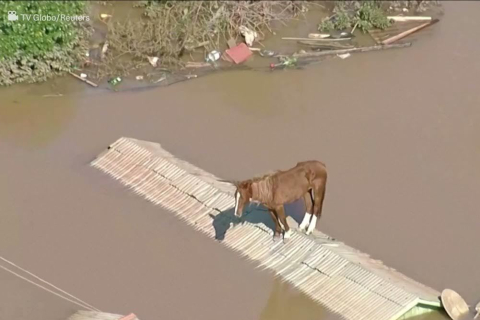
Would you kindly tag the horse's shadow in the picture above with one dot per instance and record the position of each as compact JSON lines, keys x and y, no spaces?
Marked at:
{"x":255,"y":214}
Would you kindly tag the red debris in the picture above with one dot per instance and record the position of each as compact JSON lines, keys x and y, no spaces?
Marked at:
{"x":239,"y":53}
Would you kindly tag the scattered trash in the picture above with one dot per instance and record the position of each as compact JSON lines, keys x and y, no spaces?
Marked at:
{"x":285,"y":62}
{"x":319,"y":39}
{"x":267,"y":53}
{"x":139,"y":77}
{"x":325,"y":46}
{"x":83,"y":75}
{"x":190,"y":76}
{"x":160,"y":80}
{"x":409,"y":18}
{"x":318,"y":35}
{"x":344,"y":56}
{"x":408,"y":32}
{"x":239,"y":53}
{"x":405,"y":10}
{"x":83,"y":79}
{"x":105,"y":16}
{"x":153,"y":61}
{"x":248,"y":34}
{"x":213,"y":56}
{"x":191,"y":64}
{"x":115,"y":81}
{"x":231,"y":43}
{"x":288,"y":61}
{"x":342,"y":51}
{"x":87,"y":54}
{"x":104,"y":50}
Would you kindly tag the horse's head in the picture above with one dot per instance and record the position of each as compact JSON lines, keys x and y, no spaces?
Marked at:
{"x":243,"y":194}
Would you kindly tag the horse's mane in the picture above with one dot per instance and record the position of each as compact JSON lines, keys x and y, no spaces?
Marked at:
{"x":262,"y":186}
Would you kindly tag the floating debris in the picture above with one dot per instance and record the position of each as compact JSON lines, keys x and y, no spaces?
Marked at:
{"x":104,"y":50}
{"x":139,"y":77}
{"x":160,"y":79}
{"x":191,"y":76}
{"x":239,"y":53}
{"x":192,"y":64}
{"x":408,"y":32}
{"x":115,"y":81}
{"x":213,"y":56}
{"x":409,"y":18}
{"x":105,"y":16}
{"x":153,"y":61}
{"x":344,"y":56}
{"x":83,"y":75}
{"x":248,"y":34}
{"x":83,"y":79}
{"x":267,"y":53}
{"x":318,"y":35}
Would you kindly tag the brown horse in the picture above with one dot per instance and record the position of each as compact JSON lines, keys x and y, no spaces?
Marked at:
{"x":307,"y":179}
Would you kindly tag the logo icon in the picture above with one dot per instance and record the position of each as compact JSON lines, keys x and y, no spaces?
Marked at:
{"x":12,"y":16}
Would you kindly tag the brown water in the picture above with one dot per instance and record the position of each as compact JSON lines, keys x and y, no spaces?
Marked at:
{"x":398,"y":130}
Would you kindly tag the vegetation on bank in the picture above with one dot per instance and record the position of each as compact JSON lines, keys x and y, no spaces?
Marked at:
{"x":367,"y":14}
{"x":172,"y":29}
{"x":363,"y":15}
{"x":34,"y":50}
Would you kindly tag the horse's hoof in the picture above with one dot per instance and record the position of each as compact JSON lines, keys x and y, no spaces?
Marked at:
{"x":277,"y":238}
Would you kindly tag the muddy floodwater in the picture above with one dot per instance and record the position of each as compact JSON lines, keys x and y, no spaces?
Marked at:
{"x":399,"y":131}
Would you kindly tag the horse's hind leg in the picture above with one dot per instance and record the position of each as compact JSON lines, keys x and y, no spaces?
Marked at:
{"x":319,"y":196}
{"x":307,"y":198}
{"x":277,"y":230}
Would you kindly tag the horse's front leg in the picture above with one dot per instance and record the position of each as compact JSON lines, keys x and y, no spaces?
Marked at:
{"x":278,"y":230}
{"x":283,"y":220}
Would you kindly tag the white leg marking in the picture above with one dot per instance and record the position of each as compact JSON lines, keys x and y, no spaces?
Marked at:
{"x":305,"y":221}
{"x":281,"y":225}
{"x":312,"y":225}
{"x":237,"y":200}
{"x":288,"y":234}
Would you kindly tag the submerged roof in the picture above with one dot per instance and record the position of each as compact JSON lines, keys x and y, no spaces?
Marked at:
{"x":94,"y":315}
{"x":343,"y":279}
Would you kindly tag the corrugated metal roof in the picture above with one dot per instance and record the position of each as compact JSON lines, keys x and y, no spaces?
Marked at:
{"x":343,"y":279}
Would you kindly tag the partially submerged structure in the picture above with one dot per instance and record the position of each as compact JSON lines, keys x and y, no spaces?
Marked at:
{"x":94,"y":315}
{"x":344,"y":280}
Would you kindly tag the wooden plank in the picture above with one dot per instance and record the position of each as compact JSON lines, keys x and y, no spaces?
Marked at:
{"x":361,"y":49}
{"x":408,"y":32}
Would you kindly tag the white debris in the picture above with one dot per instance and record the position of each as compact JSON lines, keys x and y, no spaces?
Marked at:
{"x":153,"y":61}
{"x":344,"y":56}
{"x":83,"y":75}
{"x":248,"y":34}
